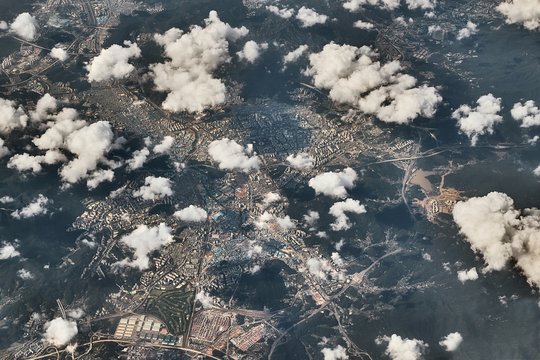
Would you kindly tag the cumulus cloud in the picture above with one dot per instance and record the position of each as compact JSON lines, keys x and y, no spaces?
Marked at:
{"x":4,"y":151}
{"x":363,"y":25}
{"x":194,"y":56}
{"x":527,"y":113}
{"x":138,"y":159}
{"x":337,"y":353}
{"x":25,"y":274}
{"x":284,"y":13}
{"x":402,"y":349}
{"x":421,"y":4}
{"x":98,"y":177}
{"x":311,"y":217}
{"x":25,"y":26}
{"x":4,"y":25}
{"x":11,"y":116}
{"x":27,"y":162}
{"x":451,"y":341}
{"x":500,"y":232}
{"x":205,"y":299}
{"x":536,"y":171}
{"x":251,"y":51}
{"x":295,"y":54}
{"x":309,"y":17}
{"x":164,"y":146}
{"x":143,"y":241}
{"x":355,"y":5}
{"x":354,"y":78}
{"x":191,"y":214}
{"x":321,"y":268}
{"x":339,"y":210}
{"x":59,"y":331}
{"x":38,"y":206}
{"x":8,"y":251}
{"x":6,"y":199}
{"x":232,"y":156}
{"x":467,"y":275}
{"x":59,"y":54}
{"x":524,"y":12}
{"x":467,"y":31}
{"x":268,"y":221}
{"x":301,"y":161}
{"x":45,"y":104}
{"x":113,"y":62}
{"x":481,"y":119}
{"x":334,"y":184}
{"x":154,"y":188}
{"x":63,"y":124}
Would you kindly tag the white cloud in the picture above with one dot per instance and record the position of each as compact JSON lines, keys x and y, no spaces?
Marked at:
{"x":25,"y":274}
{"x":336,"y":259}
{"x":138,"y":159}
{"x":311,"y":217}
{"x":271,"y":221}
{"x":363,"y":25}
{"x":144,"y":240}
{"x":251,"y":51}
{"x":337,"y":353}
{"x":355,"y":5}
{"x":11,"y":116}
{"x":295,"y":54}
{"x":6,"y":199}
{"x":98,"y":177}
{"x":527,"y":113}
{"x":191,"y":214}
{"x":164,"y":146}
{"x":4,"y":151}
{"x":402,"y":349}
{"x":194,"y":56}
{"x":24,"y":26}
{"x":525,"y":12}
{"x":421,"y":4}
{"x":4,"y":25}
{"x":451,"y":341}
{"x":498,"y":231}
{"x":354,"y":78}
{"x":89,"y":144}
{"x":467,"y":31}
{"x":8,"y":251}
{"x":113,"y":62}
{"x":205,"y":299}
{"x":301,"y":161}
{"x":270,"y":198}
{"x":27,"y":162}
{"x":59,"y":54}
{"x":154,"y":188}
{"x":284,"y":13}
{"x":46,"y":104}
{"x":480,"y":120}
{"x":59,"y":332}
{"x":38,"y":206}
{"x":321,"y":268}
{"x":536,"y":171}
{"x":339,"y":209}
{"x":334,"y":184}
{"x":309,"y":17}
{"x":63,"y":124}
{"x":232,"y":156}
{"x":467,"y":275}
{"x":76,"y":313}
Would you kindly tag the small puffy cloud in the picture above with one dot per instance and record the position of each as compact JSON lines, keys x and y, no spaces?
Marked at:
{"x":76,"y":313}
{"x":339,"y":210}
{"x":113,"y":62}
{"x":301,"y":161}
{"x":27,"y":162}
{"x":524,"y":12}
{"x":4,"y":151}
{"x":536,"y":171}
{"x":270,"y":198}
{"x":334,"y":184}
{"x":154,"y":188}
{"x":355,"y":5}
{"x":143,"y":241}
{"x":309,"y":17}
{"x":164,"y":146}
{"x":11,"y":116}
{"x":188,"y":76}
{"x":480,"y":120}
{"x":284,"y":13}
{"x":8,"y":251}
{"x":232,"y":156}
{"x":467,"y":31}
{"x":527,"y":113}
{"x":6,"y":199}
{"x":59,"y":54}
{"x":59,"y":331}
{"x":25,"y":274}
{"x":311,"y":217}
{"x":451,"y":341}
{"x":24,"y":26}
{"x":467,"y":275}
{"x":402,"y":349}
{"x":353,"y":77}
{"x":46,"y":104}
{"x":251,"y":51}
{"x":321,"y":268}
{"x":89,"y":144}
{"x":63,"y":124}
{"x":4,"y":25}
{"x":421,"y":4}
{"x":363,"y":25}
{"x":38,"y":206}
{"x":268,"y":221}
{"x":98,"y":177}
{"x":205,"y":299}
{"x":500,"y":232}
{"x":295,"y":54}
{"x":337,"y":353}
{"x":138,"y":159}
{"x":191,"y":214}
